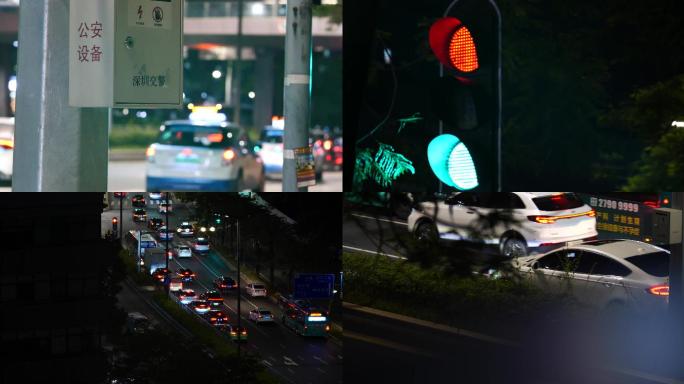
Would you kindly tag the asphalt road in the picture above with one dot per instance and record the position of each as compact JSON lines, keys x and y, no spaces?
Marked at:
{"x":292,"y":358}
{"x":388,"y":348}
{"x":129,"y":176}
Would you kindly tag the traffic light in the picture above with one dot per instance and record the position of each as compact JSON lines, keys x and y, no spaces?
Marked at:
{"x":465,"y":98}
{"x":115,"y":223}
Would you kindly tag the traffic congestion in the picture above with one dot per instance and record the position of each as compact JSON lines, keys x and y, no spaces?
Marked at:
{"x":291,"y":337}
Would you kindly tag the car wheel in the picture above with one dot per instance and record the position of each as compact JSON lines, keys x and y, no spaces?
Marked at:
{"x":513,"y":247}
{"x":426,"y":233}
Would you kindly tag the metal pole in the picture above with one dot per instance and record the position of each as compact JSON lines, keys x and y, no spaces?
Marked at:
{"x":139,"y":244}
{"x":237,"y":72}
{"x":676,"y":298}
{"x":166,"y":211}
{"x":58,"y":148}
{"x":298,"y":61}
{"x":498,"y":88}
{"x":237,"y":253}
{"x":121,"y":218}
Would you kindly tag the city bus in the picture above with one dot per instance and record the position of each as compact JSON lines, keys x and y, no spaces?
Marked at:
{"x":303,"y":318}
{"x":148,"y":241}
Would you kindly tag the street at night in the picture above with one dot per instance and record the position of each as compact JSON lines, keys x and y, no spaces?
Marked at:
{"x":277,"y":343}
{"x":479,"y":308}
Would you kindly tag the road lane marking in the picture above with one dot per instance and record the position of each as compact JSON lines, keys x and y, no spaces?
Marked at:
{"x":380,"y":219}
{"x":320,"y":369}
{"x":429,"y":324}
{"x":207,"y":267}
{"x":291,"y":370}
{"x":321,"y":360}
{"x":390,"y":344}
{"x":374,"y":252}
{"x":289,"y":361}
{"x":267,"y":363}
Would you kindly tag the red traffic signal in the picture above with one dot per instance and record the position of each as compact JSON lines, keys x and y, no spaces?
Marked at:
{"x":453,"y":45}
{"x":115,"y":220}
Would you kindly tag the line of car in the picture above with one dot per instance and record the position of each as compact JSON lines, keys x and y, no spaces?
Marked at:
{"x":206,"y":305}
{"x":611,"y":275}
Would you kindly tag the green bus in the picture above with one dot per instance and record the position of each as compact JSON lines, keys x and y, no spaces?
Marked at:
{"x":305,"y":320}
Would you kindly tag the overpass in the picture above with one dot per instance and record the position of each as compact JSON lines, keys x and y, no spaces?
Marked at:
{"x":212,"y":28}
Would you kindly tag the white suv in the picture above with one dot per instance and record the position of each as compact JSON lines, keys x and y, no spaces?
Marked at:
{"x":515,"y":221}
{"x":256,"y":289}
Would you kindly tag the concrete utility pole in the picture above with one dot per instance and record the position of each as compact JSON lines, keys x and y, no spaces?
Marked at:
{"x":58,"y":148}
{"x":297,"y":101}
{"x":677,"y":272}
{"x":237,"y":70}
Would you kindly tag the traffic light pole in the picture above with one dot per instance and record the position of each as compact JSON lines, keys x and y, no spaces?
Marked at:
{"x":237,"y":255}
{"x":498,"y":90}
{"x":676,"y":279}
{"x":166,"y":211}
{"x":297,"y":88}
{"x":58,"y":148}
{"x":121,"y":219}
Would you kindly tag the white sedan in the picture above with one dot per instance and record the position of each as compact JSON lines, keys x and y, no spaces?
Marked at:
{"x":259,"y":315}
{"x":163,"y":206}
{"x":614,"y":275}
{"x":164,"y":233}
{"x":183,"y":251}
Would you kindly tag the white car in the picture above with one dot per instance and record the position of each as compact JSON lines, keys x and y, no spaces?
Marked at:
{"x":185,"y":230}
{"x":197,"y":155}
{"x":155,"y":196}
{"x":201,"y":245}
{"x":256,"y":289}
{"x":515,"y":221}
{"x":183,"y":251}
{"x":164,"y":233}
{"x":614,"y":275}
{"x":259,"y":315}
{"x":271,"y":151}
{"x":163,"y":206}
{"x":6,"y":147}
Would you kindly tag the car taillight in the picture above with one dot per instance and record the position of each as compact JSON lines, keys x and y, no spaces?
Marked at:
{"x":244,"y":332}
{"x":213,"y":319}
{"x":659,"y":290}
{"x":6,"y":144}
{"x":327,"y":327}
{"x":228,"y":156}
{"x":233,"y":333}
{"x":542,"y":219}
{"x":591,"y":213}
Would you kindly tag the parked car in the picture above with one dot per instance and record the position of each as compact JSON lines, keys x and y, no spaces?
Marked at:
{"x":515,"y":221}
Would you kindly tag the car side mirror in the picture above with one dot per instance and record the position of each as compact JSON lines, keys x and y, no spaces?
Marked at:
{"x":535,"y":265}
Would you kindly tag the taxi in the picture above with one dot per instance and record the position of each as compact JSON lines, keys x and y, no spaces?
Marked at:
{"x":203,"y":153}
{"x":271,"y":150}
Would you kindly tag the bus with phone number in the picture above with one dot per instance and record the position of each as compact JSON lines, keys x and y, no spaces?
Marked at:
{"x":303,"y":318}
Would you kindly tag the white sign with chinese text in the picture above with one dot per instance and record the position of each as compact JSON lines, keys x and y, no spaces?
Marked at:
{"x":126,"y":53}
{"x":91,"y":52}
